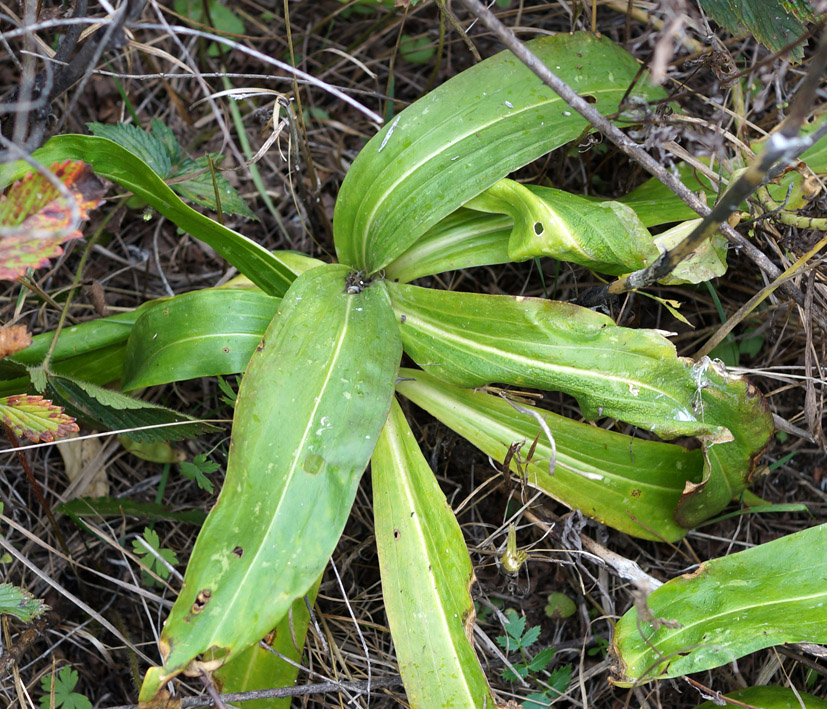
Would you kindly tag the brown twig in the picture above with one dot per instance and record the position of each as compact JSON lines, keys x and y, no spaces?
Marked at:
{"x":280,"y":692}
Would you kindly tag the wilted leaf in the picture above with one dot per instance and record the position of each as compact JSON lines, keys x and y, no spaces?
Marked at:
{"x":77,"y":457}
{"x":36,"y":418}
{"x":35,"y":218}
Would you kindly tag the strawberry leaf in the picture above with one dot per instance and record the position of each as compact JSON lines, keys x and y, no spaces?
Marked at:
{"x":36,"y":418}
{"x":36,"y":218}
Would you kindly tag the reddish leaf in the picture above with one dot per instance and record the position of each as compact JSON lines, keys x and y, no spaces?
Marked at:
{"x":35,"y":218}
{"x":13,"y":338}
{"x":36,"y":418}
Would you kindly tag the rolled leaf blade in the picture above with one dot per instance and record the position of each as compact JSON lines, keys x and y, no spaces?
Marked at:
{"x":627,"y":483}
{"x":494,"y":118}
{"x":771,"y":594}
{"x":199,"y":334}
{"x":426,"y":576}
{"x":310,"y":408}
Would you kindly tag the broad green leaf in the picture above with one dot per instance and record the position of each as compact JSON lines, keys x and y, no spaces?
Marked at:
{"x":464,"y":239}
{"x":771,"y":594}
{"x":35,"y":218}
{"x":122,"y":506}
{"x":604,"y":236}
{"x":771,"y":698}
{"x":115,"y":163}
{"x":106,"y":408}
{"x":466,"y":135}
{"x":309,"y":412}
{"x":426,"y":576}
{"x":471,"y":340}
{"x":36,"y":418}
{"x":610,"y":477}
{"x":257,"y":668}
{"x":199,"y":334}
{"x":156,"y":153}
{"x":19,"y":603}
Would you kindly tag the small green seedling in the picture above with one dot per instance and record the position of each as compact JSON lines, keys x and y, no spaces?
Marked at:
{"x":64,"y":683}
{"x":198,"y":470}
{"x":153,"y":563}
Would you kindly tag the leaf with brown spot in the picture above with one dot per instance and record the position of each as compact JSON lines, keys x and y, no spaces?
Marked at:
{"x":36,"y":418}
{"x":36,"y":218}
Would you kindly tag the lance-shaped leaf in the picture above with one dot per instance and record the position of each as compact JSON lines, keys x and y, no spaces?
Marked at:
{"x":36,"y":217}
{"x":116,"y":163}
{"x":36,"y":418}
{"x":635,"y":376}
{"x":493,"y":118}
{"x":198,"y":334}
{"x":771,"y":594}
{"x":426,"y":576}
{"x":464,"y":239}
{"x":106,"y":408}
{"x":257,"y":668}
{"x":309,"y":412}
{"x":770,"y":698}
{"x":618,"y":480}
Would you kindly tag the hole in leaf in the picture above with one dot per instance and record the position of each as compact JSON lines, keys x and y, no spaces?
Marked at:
{"x":239,"y":552}
{"x":396,"y":534}
{"x":538,"y":228}
{"x":201,"y":600}
{"x":589,"y":99}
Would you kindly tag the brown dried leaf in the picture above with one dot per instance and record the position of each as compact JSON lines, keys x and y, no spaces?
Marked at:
{"x":13,"y":338}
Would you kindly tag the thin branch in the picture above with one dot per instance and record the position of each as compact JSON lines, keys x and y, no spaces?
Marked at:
{"x":623,"y":142}
{"x":280,"y":692}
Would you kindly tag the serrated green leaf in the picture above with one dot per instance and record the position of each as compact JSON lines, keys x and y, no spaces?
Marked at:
{"x":36,"y":418}
{"x":426,"y":576}
{"x":137,"y":141}
{"x":616,"y":479}
{"x":728,"y":608}
{"x":530,"y":636}
{"x":541,"y":660}
{"x":164,"y":135}
{"x":21,"y":604}
{"x":200,"y":189}
{"x":110,"y":160}
{"x":109,"y":409}
{"x":309,"y":411}
{"x":493,"y":118}
{"x":199,"y":334}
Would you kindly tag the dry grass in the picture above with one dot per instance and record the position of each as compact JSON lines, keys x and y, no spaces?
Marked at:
{"x":104,"y":621}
